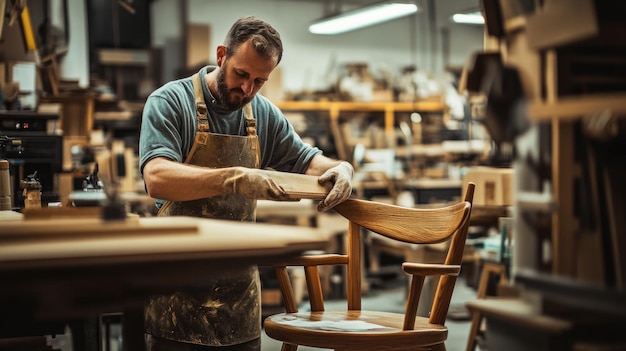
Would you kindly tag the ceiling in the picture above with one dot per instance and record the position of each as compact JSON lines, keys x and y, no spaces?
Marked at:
{"x":440,"y":9}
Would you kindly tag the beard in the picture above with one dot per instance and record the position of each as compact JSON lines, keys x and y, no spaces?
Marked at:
{"x":226,"y":96}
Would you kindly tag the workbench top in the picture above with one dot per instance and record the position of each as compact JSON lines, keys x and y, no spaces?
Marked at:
{"x":83,"y":241}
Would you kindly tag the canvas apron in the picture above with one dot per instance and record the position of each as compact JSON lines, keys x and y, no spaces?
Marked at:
{"x":227,"y":311}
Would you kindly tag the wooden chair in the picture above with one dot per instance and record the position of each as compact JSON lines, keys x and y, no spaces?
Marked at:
{"x":489,"y":268}
{"x":357,"y":329}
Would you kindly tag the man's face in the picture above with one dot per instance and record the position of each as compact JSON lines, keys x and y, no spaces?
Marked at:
{"x":242,"y":75}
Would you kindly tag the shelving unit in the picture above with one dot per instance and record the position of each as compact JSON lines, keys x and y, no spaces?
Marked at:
{"x":336,"y":109}
{"x":569,"y":232}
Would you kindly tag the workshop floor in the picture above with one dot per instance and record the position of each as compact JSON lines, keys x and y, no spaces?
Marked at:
{"x":391,"y":297}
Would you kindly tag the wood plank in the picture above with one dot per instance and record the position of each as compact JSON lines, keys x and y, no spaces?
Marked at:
{"x":299,"y":186}
{"x":571,"y":108}
{"x":3,"y":4}
{"x":564,"y":224}
{"x":592,"y":256}
{"x":84,"y":225}
{"x":616,"y":205}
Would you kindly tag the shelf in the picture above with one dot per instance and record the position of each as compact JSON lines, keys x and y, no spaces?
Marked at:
{"x":571,"y":108}
{"x":389,"y":108}
{"x":422,"y":105}
{"x":336,"y":108}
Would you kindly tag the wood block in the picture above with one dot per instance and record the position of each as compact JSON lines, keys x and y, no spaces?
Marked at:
{"x":299,"y":186}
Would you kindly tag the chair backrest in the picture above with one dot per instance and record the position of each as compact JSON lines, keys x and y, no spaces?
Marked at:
{"x":410,"y":225}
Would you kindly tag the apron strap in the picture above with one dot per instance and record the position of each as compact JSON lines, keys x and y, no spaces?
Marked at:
{"x":250,"y":121}
{"x":201,"y":109}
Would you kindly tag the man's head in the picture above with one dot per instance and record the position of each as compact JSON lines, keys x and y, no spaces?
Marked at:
{"x":265,"y":39}
{"x":251,"y":51}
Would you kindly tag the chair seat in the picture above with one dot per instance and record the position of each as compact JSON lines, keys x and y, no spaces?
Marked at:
{"x":349,"y":330}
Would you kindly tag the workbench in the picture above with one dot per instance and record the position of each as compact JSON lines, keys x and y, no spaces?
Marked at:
{"x":59,"y":270}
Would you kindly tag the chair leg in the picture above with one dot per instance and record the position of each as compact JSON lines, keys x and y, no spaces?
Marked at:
{"x":487,"y":270}
{"x":475,"y":326}
{"x":288,"y":347}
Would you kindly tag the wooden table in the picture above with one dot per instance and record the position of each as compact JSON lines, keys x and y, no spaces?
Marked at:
{"x":62,"y":269}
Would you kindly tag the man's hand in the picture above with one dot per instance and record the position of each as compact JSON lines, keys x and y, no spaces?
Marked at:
{"x":254,"y":184}
{"x":341,"y":178}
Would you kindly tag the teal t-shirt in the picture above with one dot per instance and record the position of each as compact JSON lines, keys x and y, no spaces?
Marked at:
{"x":169,"y":125}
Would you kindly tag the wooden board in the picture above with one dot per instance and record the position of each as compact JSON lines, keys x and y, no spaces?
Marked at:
{"x":300,"y":186}
{"x":86,"y":225}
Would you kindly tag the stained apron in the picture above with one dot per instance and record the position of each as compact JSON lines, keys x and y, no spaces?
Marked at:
{"x":228,"y":310}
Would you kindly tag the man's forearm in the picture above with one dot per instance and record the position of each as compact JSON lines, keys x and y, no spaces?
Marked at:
{"x":174,"y":181}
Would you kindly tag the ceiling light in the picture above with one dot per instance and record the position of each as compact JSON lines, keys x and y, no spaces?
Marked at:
{"x":362,"y":17}
{"x":469,"y":18}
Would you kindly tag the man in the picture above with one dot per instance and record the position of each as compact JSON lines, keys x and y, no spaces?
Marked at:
{"x":203,"y":140}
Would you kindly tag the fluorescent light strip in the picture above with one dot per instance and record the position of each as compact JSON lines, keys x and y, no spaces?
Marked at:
{"x":469,"y":18}
{"x":360,"y":18}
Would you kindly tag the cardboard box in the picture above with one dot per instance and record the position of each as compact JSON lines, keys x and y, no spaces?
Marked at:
{"x":494,"y":186}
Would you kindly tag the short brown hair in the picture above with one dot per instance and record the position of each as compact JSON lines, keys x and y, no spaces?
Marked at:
{"x":265,"y":39}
